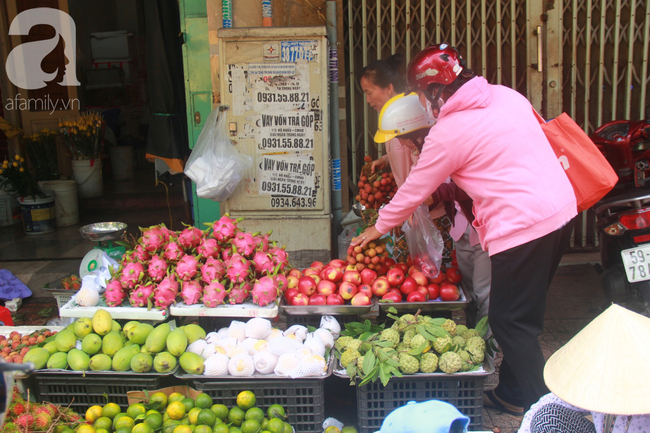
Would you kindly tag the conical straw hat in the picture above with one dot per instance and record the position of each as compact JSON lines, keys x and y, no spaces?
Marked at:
{"x":606,"y":366}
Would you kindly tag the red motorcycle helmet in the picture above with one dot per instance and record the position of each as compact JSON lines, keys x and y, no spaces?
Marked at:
{"x":438,"y":64}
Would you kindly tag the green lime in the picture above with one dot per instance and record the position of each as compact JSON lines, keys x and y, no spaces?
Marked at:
{"x":264,"y":423}
{"x":142,"y":428}
{"x":103,"y":422}
{"x":287,"y":428}
{"x":136,"y":409}
{"x":206,"y":417}
{"x":118,"y":416}
{"x":236,"y":416}
{"x":349,"y":429}
{"x":160,"y":398}
{"x":275,"y":425}
{"x":188,"y":403}
{"x":255,"y":413}
{"x":110,"y":410}
{"x":154,"y":420}
{"x":123,"y":430}
{"x":101,"y":430}
{"x":220,"y":428}
{"x":234,"y":430}
{"x":276,"y":411}
{"x":125,"y":421}
{"x":250,"y":426}
{"x":202,"y":429}
{"x":170,"y":425}
{"x":220,"y":410}
{"x":193,"y":415}
{"x":246,"y":400}
{"x":203,"y":400}
{"x":175,"y":396}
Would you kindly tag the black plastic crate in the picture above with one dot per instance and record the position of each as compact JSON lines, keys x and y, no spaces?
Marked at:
{"x":303,"y":399}
{"x":314,"y":319}
{"x":375,"y":402}
{"x":92,"y":389}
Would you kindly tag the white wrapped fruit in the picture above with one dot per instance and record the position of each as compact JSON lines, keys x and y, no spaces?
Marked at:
{"x":281,"y":345}
{"x":265,"y":362}
{"x":237,"y":330}
{"x":315,"y":344}
{"x":241,"y":365}
{"x":216,"y":365}
{"x":258,"y":328}
{"x":326,"y":337}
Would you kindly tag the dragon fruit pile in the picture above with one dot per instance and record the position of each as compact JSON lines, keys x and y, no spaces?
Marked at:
{"x":222,"y":264}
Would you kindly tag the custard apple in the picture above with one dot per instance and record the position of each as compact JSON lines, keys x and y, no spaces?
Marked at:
{"x":476,"y":342}
{"x":428,"y":363}
{"x":342,"y":342}
{"x":408,"y":335}
{"x":450,"y":362}
{"x":470,"y":333}
{"x":418,"y":341}
{"x":390,"y":335}
{"x":460,"y":330}
{"x":458,"y":341}
{"x":449,"y":326}
{"x":349,"y":356}
{"x":476,"y":354}
{"x":442,"y":344}
{"x":403,"y":322}
{"x":354,"y":344}
{"x":408,"y":364}
{"x":402,"y":347}
{"x":360,"y":363}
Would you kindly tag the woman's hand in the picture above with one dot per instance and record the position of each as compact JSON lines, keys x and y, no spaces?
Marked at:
{"x":377,"y":164}
{"x":364,"y":238}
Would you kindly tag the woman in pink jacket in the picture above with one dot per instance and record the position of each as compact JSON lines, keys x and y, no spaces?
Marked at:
{"x":380,"y":81}
{"x":490,"y":143}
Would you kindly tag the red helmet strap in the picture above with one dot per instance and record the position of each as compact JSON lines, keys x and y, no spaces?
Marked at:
{"x":434,"y":99}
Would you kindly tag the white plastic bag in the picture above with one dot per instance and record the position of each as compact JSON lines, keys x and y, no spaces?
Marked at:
{"x":214,"y":164}
{"x":424,"y":242}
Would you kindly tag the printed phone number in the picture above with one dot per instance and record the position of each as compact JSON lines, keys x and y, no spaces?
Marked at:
{"x":287,"y":143}
{"x":283,"y":188}
{"x":283,"y":97}
{"x":293,"y":202}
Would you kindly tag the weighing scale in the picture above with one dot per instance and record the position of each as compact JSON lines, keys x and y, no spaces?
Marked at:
{"x":104,"y":234}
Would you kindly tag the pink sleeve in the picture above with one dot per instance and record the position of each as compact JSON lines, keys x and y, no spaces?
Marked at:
{"x":432,"y":169}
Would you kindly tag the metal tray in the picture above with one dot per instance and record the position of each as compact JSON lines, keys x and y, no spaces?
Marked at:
{"x":488,"y":367}
{"x":105,"y":372}
{"x":332,"y":310}
{"x":328,"y":373}
{"x":247,"y":309}
{"x":429,"y":306}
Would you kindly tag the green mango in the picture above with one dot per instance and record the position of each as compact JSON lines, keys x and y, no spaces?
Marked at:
{"x":78,"y":360}
{"x":139,"y":333}
{"x":122,"y":359}
{"x":176,"y":342}
{"x":116,"y":326}
{"x":111,"y":343}
{"x":164,"y":362}
{"x":193,"y":332}
{"x":38,"y":356}
{"x":91,"y":344}
{"x":58,"y":360}
{"x":192,"y":363}
{"x":51,"y":347}
{"x":100,"y":362}
{"x":156,"y":340}
{"x":142,"y":363}
{"x":83,"y":327}
{"x":65,"y":340}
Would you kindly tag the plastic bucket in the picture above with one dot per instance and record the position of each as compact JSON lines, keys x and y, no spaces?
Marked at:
{"x":67,"y":207}
{"x":39,"y":215}
{"x":88,"y":174}
{"x":122,"y":162}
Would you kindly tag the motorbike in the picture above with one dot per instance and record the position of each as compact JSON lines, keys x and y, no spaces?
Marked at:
{"x":623,"y":215}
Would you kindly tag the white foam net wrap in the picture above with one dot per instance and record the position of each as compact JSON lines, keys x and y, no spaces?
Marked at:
{"x":281,"y":345}
{"x":330,"y":323}
{"x":265,"y":362}
{"x":258,"y":328}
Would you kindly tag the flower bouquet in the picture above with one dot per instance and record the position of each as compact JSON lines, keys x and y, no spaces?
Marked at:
{"x":84,"y":135}
{"x":41,"y":149}
{"x":16,"y":180}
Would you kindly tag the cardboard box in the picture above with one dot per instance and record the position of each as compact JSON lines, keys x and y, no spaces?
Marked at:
{"x":111,"y":45}
{"x":142,"y":396}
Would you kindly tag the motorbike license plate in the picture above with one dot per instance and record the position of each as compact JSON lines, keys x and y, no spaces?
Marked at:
{"x":637,"y":263}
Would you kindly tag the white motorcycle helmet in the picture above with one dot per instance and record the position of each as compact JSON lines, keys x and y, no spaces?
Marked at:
{"x":400,"y":115}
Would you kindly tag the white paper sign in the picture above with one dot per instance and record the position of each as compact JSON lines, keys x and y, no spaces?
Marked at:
{"x":289,"y":175}
{"x":278,"y":87}
{"x":287,"y":131}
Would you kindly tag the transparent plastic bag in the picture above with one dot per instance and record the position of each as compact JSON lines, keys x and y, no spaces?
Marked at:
{"x":424,"y":241}
{"x":214,"y":164}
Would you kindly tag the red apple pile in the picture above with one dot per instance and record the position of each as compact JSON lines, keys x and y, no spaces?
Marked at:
{"x":372,"y":256}
{"x":375,"y":189}
{"x":14,"y":347}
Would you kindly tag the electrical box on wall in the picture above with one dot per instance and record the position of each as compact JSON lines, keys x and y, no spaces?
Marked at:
{"x":275,"y":82}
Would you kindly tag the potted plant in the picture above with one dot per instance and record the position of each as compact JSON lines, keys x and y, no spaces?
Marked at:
{"x":37,"y":205}
{"x":84,"y":137}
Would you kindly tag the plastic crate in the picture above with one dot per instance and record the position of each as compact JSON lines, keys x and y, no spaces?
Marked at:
{"x":314,"y":319}
{"x":63,"y":297}
{"x":303,"y":399}
{"x":91,"y":390}
{"x":375,"y":402}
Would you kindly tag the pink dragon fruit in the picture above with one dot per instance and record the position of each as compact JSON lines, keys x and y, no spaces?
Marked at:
{"x":264,"y":291}
{"x":262,"y":241}
{"x":141,"y":295}
{"x":225,"y":227}
{"x":209,"y":247}
{"x":173,"y":252}
{"x":165,"y":292}
{"x":212,"y":269}
{"x":157,"y":268}
{"x":237,"y":268}
{"x":131,"y":275}
{"x":226,"y":254}
{"x":187,"y":267}
{"x":281,"y":281}
{"x":128,"y":257}
{"x":115,"y":293}
{"x":141,"y":254}
{"x":263,"y":263}
{"x":191,"y":292}
{"x":152,"y":239}
{"x":245,"y":243}
{"x":214,"y":294}
{"x":279,"y":256}
{"x":190,"y":238}
{"x":167,"y":233}
{"x":239,"y":293}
